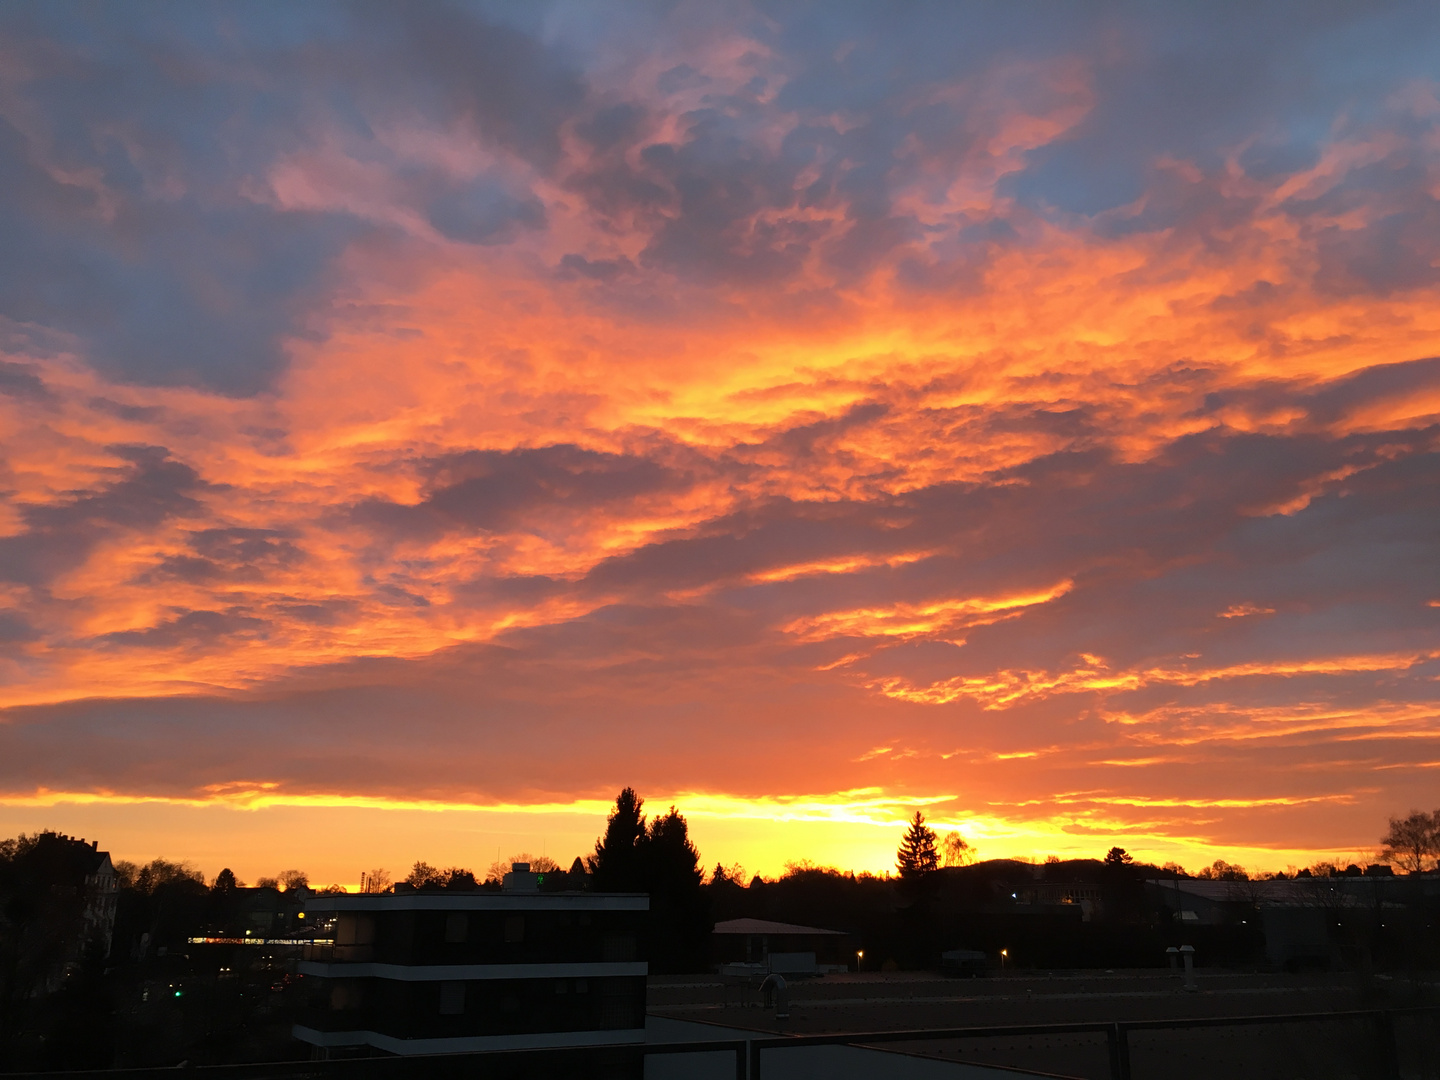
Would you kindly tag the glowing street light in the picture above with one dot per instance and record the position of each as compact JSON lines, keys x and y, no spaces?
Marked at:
{"x":859,"y":958}
{"x":1004,"y":953}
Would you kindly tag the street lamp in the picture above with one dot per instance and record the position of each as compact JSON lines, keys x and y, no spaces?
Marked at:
{"x":859,"y":958}
{"x":1004,"y":954}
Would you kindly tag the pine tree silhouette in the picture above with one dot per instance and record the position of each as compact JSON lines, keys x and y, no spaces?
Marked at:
{"x":917,"y":856}
{"x":616,"y":865}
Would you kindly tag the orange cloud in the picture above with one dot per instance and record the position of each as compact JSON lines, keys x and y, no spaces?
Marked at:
{"x":913,"y":620}
{"x":621,"y":402}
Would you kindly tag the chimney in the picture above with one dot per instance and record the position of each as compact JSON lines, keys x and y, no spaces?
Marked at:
{"x":94,"y":845}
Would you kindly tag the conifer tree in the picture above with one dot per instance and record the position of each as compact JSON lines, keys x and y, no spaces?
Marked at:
{"x":616,"y":864}
{"x":917,"y":855}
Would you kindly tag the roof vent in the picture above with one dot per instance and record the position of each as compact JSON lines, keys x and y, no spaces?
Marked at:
{"x":520,"y":879}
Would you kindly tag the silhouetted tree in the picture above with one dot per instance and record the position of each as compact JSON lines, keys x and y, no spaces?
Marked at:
{"x":1220,"y":870}
{"x":917,"y":856}
{"x":577,"y":873}
{"x":1413,"y":841}
{"x":680,"y":922}
{"x":225,"y":881}
{"x":954,"y":851}
{"x":459,"y":879}
{"x":734,"y":874}
{"x":158,"y":872}
{"x":615,"y":866}
{"x":290,"y":880}
{"x":1118,"y":856}
{"x":160,"y":906}
{"x":422,"y":874}
{"x":539,"y":864}
{"x":659,"y":860}
{"x":375,"y":881}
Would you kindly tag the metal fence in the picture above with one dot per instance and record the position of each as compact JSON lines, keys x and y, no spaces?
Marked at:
{"x":1116,"y":1035}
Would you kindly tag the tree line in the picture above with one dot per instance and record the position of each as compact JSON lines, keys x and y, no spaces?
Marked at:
{"x":632,"y":855}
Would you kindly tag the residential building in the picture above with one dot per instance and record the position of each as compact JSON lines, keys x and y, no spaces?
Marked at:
{"x":72,"y":894}
{"x":425,"y":972}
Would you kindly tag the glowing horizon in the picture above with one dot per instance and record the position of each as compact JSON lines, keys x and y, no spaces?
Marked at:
{"x":449,"y":415}
{"x":834,"y":821}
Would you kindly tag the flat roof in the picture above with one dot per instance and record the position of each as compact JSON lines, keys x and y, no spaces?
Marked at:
{"x":764,"y":926}
{"x":485,"y":901}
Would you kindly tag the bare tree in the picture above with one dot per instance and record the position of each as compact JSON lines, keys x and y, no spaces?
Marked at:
{"x":422,"y":874}
{"x":539,"y":864}
{"x":734,"y":873}
{"x":294,"y":879}
{"x":954,"y":851}
{"x":1412,"y":841}
{"x":375,"y":881}
{"x":1220,"y":870}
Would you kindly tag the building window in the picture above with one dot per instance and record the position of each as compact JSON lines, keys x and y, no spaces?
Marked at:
{"x":452,"y":998}
{"x":617,"y":947}
{"x":515,"y":928}
{"x":617,"y":1006}
{"x":345,"y":994}
{"x":456,"y":924}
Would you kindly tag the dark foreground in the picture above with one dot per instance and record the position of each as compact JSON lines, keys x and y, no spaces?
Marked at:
{"x":1349,"y":1047}
{"x":1371,"y":1027}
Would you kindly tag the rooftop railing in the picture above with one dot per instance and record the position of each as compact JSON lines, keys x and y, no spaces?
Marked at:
{"x":753,"y":1055}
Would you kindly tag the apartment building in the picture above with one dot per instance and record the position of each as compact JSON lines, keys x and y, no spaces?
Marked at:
{"x":425,"y":972}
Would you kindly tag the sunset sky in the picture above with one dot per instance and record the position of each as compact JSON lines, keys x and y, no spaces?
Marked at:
{"x":419,"y":421}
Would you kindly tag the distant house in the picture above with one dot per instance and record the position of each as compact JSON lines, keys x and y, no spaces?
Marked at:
{"x":448,"y":971}
{"x":1086,"y":896}
{"x":101,"y":890}
{"x":1303,"y":919}
{"x":74,"y":890}
{"x":784,"y":948}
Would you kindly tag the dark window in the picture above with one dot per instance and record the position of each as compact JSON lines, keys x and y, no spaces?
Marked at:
{"x":617,"y":1006}
{"x":617,"y":947}
{"x":452,"y":998}
{"x":515,"y":928}
{"x":456,"y":924}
